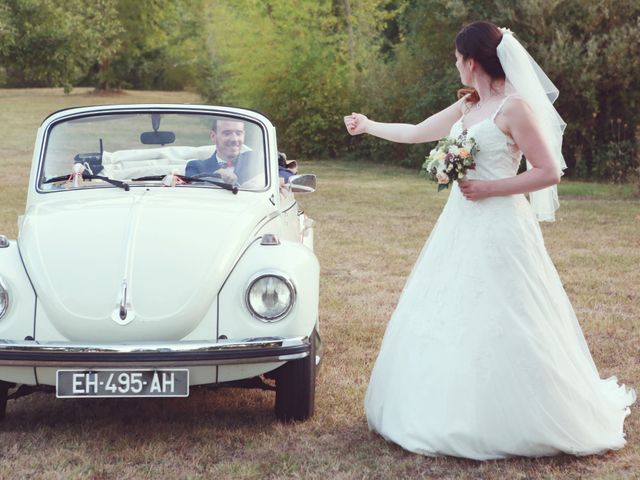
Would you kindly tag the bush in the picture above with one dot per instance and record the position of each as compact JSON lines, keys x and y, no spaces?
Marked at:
{"x":617,"y":159}
{"x":298,"y":63}
{"x":589,"y":50}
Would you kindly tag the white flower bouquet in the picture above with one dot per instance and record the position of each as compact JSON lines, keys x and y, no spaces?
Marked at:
{"x":451,"y":159}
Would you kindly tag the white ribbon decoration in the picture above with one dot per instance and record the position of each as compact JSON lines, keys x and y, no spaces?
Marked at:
{"x":76,"y":176}
{"x":525,"y":77}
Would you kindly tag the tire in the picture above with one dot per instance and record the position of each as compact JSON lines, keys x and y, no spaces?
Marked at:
{"x":296,"y":387}
{"x":4,"y":393}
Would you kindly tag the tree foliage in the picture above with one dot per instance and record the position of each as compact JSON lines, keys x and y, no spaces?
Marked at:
{"x":593,"y":55}
{"x":107,"y":43}
{"x":160,"y":45}
{"x":591,"y":50}
{"x":307,"y":63}
{"x":299,"y":62}
{"x":47,"y":43}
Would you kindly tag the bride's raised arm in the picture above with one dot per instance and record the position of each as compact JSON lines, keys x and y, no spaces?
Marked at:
{"x":433,"y":128}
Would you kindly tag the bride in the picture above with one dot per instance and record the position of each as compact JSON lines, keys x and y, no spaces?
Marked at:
{"x":483,"y":357}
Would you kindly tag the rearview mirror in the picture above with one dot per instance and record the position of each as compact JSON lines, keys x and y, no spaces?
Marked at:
{"x":157,"y":138}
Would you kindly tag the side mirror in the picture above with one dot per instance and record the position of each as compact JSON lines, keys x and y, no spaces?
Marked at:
{"x":303,"y":183}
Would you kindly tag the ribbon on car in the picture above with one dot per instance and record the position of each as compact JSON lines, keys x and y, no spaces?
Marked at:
{"x":172,"y":179}
{"x":76,"y":177}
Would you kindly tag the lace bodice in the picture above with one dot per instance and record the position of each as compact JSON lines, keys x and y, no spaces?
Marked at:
{"x":498,"y":156}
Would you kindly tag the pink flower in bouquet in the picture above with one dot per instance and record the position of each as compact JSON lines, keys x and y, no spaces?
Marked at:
{"x":442,"y":178}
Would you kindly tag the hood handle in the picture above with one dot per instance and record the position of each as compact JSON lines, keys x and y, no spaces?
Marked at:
{"x":123,"y":301}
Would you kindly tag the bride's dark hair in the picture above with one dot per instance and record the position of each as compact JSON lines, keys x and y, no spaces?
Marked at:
{"x":479,"y":41}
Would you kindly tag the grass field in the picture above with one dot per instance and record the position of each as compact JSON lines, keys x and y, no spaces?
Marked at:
{"x":372,"y":221}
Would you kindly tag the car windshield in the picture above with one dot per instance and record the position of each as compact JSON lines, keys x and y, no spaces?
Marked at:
{"x":154,"y":149}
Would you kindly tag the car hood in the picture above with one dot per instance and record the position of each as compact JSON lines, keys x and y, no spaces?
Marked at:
{"x":159,"y":259}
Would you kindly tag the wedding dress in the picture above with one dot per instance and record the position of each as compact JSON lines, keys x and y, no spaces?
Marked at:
{"x":483,"y":357}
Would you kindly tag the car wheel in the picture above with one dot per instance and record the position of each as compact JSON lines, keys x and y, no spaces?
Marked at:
{"x":4,"y":393}
{"x":296,"y":387}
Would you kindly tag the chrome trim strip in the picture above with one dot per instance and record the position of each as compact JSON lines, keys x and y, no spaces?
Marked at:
{"x":191,"y":353}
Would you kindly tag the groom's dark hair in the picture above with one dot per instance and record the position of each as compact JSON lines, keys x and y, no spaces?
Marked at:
{"x":479,"y":41}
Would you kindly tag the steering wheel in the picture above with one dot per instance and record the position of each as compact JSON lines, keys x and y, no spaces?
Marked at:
{"x":207,"y":175}
{"x":216,"y":177}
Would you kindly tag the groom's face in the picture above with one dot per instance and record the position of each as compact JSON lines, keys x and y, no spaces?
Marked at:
{"x":228,"y":137}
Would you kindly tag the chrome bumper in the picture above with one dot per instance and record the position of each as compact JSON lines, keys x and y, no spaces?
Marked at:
{"x":31,"y":353}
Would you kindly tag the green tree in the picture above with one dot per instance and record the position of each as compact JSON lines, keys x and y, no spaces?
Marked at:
{"x":591,"y":50}
{"x":418,"y":80}
{"x":104,"y":31}
{"x":7,"y":30}
{"x":54,"y":42}
{"x":307,"y":63}
{"x":299,"y":63}
{"x":161,"y":45}
{"x":42,"y":48}
{"x":593,"y":55}
{"x":106,"y":43}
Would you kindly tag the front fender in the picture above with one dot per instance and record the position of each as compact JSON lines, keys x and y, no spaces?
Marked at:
{"x":18,"y":322}
{"x":292,"y":259}
{"x":300,"y":265}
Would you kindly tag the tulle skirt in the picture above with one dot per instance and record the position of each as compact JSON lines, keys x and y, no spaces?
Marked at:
{"x":484,"y":357}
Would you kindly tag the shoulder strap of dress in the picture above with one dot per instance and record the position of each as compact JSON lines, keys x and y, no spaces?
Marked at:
{"x":504,"y":100}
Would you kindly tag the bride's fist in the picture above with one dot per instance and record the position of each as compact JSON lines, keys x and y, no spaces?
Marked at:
{"x":356,"y":123}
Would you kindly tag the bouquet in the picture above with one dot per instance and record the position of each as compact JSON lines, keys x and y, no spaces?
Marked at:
{"x":451,"y":159}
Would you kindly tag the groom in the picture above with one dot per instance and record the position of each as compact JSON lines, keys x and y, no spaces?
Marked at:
{"x":228,"y":161}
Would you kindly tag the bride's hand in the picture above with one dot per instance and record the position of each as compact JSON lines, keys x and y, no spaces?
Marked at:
{"x":475,"y":189}
{"x":356,"y":123}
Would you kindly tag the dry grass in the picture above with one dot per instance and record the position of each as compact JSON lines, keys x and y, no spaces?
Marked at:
{"x":371,"y":223}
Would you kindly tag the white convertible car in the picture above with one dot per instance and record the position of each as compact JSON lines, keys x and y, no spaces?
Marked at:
{"x":160,"y":250}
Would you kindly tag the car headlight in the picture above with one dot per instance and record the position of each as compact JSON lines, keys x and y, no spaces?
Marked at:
{"x":270,"y":296}
{"x":4,"y":299}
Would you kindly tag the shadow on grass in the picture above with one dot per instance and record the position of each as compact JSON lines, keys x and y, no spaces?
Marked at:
{"x":554,"y":460}
{"x":224,"y":408}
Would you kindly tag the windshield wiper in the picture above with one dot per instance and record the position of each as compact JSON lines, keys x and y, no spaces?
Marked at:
{"x":88,"y":176}
{"x":227,"y":186}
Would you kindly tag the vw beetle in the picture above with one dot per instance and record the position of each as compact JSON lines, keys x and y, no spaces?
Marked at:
{"x":145,"y":265}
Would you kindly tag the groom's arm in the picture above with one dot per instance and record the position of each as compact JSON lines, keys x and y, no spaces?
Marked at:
{"x":433,"y":128}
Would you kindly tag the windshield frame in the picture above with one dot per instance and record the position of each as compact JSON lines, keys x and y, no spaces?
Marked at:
{"x":76,"y":114}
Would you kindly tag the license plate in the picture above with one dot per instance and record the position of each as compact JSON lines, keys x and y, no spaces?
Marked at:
{"x":122,"y":383}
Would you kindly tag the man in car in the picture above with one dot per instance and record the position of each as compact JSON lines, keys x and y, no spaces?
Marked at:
{"x":231,"y":159}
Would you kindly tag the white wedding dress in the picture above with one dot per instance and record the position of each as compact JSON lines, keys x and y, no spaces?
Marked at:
{"x":484,"y":357}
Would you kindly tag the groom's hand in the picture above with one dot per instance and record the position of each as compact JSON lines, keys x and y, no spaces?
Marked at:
{"x":227,"y":175}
